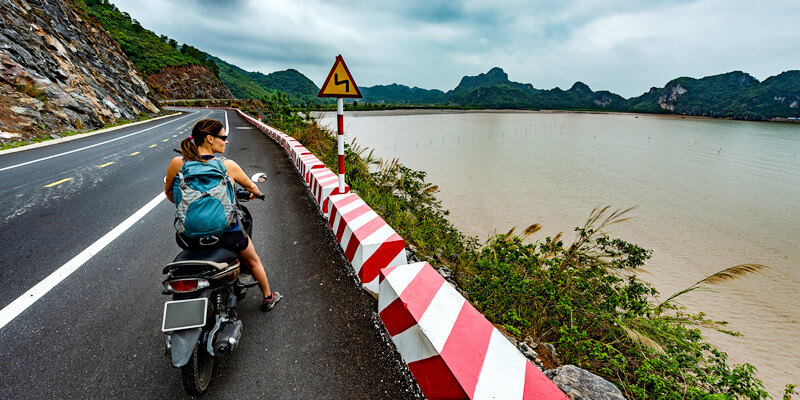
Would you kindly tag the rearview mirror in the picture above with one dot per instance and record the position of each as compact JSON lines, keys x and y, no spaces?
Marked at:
{"x":259,"y":177}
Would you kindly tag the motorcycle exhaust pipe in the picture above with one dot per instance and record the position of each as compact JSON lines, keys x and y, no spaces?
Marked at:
{"x":228,"y":338}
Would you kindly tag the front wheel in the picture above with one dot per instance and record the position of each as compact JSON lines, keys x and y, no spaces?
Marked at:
{"x":196,"y":374}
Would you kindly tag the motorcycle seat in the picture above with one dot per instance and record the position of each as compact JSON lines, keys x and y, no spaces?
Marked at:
{"x":217,"y":257}
{"x":214,"y":254}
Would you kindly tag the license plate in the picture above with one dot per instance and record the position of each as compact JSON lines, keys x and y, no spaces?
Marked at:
{"x":184,"y":314}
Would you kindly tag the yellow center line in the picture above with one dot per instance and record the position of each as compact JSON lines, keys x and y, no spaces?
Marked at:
{"x":59,"y":182}
{"x":135,"y":153}
{"x":153,"y":145}
{"x":105,"y":165}
{"x":165,"y":140}
{"x":174,"y":135}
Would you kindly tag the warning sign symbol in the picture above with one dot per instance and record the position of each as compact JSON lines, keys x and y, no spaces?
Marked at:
{"x":339,"y":82}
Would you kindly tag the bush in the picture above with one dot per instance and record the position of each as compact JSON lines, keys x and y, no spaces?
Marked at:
{"x":585,"y":299}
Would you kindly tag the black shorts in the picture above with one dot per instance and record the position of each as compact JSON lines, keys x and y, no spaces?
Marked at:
{"x":235,"y":241}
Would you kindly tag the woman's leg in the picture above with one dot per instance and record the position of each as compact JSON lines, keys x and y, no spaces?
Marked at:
{"x":250,"y":258}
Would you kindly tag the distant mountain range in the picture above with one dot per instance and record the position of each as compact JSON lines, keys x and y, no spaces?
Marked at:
{"x":730,"y":95}
{"x":734,"y":94}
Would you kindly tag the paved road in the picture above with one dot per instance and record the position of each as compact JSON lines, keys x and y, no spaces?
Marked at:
{"x":96,"y":334}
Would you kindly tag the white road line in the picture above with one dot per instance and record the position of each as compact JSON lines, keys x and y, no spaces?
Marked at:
{"x":82,"y":135}
{"x":90,"y":146}
{"x":19,"y":305}
{"x":227,"y":131}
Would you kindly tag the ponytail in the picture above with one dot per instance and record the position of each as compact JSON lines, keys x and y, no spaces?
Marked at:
{"x":201,"y":129}
{"x":189,"y":150}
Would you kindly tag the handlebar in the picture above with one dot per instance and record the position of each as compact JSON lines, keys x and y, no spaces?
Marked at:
{"x":244,"y":195}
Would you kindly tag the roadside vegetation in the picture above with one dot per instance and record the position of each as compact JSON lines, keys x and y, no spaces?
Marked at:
{"x":583,"y":296}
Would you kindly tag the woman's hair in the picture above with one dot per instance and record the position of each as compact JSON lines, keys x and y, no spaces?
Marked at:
{"x":201,"y":129}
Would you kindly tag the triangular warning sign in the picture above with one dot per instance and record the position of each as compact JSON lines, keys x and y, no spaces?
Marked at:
{"x":339,"y":82}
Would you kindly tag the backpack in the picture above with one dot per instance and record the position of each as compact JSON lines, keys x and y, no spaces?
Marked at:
{"x":204,"y":199}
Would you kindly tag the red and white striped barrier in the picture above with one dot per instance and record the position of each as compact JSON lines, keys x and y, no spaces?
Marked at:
{"x":452,"y":350}
{"x":306,"y":163}
{"x":295,"y":153}
{"x":279,"y":137}
{"x":324,"y":183}
{"x":289,"y":142}
{"x":369,"y":243}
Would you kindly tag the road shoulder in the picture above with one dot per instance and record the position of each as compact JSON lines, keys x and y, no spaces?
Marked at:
{"x":83,"y":135}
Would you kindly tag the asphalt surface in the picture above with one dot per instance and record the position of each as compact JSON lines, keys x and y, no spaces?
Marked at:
{"x":97,"y":333}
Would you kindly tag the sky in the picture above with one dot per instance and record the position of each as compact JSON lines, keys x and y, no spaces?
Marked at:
{"x":624,"y":46}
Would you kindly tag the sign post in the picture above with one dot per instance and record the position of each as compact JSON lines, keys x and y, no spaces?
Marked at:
{"x":340,"y":84}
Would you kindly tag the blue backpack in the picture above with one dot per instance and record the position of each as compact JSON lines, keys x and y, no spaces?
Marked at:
{"x":204,"y":198}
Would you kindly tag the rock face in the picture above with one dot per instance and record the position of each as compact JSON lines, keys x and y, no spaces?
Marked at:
{"x":60,"y":71}
{"x":579,"y":384}
{"x":188,"y":82}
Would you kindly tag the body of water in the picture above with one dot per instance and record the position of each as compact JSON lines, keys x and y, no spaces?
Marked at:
{"x":710,"y":194}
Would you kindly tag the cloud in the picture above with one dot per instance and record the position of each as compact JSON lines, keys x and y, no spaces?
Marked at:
{"x":625,"y":46}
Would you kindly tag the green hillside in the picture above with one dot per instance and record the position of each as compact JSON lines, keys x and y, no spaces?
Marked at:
{"x":731,"y":95}
{"x":254,"y":85}
{"x":149,"y":52}
{"x":494,"y":90}
{"x":239,"y":81}
{"x":290,"y":82}
{"x":395,"y":93}
{"x":578,"y":97}
{"x":778,"y":95}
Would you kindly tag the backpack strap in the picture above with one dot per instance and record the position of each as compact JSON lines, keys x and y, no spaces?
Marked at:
{"x":219,"y":161}
{"x":237,"y":213}
{"x":182,"y":181}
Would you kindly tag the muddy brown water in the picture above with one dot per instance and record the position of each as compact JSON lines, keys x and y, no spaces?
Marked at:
{"x":710,"y":194}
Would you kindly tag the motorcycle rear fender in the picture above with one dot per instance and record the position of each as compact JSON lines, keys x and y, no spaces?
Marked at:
{"x":183,"y":343}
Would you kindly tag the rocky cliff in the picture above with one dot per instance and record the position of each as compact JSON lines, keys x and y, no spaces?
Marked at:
{"x":61,"y":71}
{"x":188,"y":82}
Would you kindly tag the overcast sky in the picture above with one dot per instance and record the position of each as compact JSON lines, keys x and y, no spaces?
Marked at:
{"x":625,"y":46}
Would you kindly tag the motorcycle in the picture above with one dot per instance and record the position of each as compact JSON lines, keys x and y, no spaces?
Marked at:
{"x":201,"y":321}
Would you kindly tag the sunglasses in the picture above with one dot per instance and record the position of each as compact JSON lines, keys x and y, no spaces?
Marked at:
{"x":223,"y":137}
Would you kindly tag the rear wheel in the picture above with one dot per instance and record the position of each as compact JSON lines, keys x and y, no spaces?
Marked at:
{"x":196,"y":374}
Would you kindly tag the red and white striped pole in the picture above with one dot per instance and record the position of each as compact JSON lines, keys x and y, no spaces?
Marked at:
{"x":340,"y":140}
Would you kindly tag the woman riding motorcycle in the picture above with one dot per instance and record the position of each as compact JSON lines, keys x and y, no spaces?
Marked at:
{"x":208,"y":137}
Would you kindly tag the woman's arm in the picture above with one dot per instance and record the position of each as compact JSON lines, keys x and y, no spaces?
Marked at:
{"x":174,"y":166}
{"x":238,"y":176}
